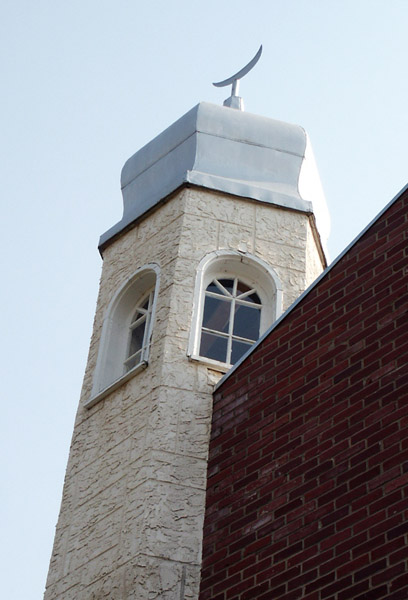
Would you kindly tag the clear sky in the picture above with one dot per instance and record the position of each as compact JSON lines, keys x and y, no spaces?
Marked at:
{"x":88,"y":82}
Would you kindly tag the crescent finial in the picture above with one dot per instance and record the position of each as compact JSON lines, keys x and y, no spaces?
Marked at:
{"x":234,"y":101}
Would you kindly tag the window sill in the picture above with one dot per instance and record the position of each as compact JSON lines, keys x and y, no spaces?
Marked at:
{"x":215,"y":365}
{"x":115,"y":385}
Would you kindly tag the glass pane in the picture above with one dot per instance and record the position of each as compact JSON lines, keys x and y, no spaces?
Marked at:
{"x":216,"y":314}
{"x":213,"y":287}
{"x":246,"y":321}
{"x":141,"y":310}
{"x":242,"y":288}
{"x":228,"y":284}
{"x":238,"y":349}
{"x":136,"y":316}
{"x":213,"y":346}
{"x":136,"y":338}
{"x":132,"y":362}
{"x":253,"y":298}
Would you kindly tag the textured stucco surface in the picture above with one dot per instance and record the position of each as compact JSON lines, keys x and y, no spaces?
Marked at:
{"x":132,"y":510}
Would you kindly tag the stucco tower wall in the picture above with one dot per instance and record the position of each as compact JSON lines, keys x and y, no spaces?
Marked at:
{"x":131,"y":518}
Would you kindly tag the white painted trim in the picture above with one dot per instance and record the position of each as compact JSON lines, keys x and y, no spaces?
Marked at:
{"x":212,"y":364}
{"x":114,"y":330}
{"x":115,"y":385}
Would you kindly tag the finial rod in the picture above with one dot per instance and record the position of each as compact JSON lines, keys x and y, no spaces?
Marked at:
{"x":234,"y":101}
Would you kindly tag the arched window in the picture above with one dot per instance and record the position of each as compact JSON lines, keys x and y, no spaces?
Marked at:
{"x":126,"y":332}
{"x":237,"y":297}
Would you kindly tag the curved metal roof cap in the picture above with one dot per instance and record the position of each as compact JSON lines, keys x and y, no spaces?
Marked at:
{"x":218,"y":148}
{"x":310,"y":188}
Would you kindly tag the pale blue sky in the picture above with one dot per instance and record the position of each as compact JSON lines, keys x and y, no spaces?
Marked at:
{"x":88,"y":82}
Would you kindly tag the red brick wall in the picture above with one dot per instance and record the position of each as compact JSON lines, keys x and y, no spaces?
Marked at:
{"x":308,"y":473}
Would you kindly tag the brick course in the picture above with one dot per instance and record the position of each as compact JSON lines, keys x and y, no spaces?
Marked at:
{"x":307,"y":491}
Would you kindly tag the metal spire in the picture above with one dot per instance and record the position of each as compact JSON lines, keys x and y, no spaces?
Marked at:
{"x":234,"y":101}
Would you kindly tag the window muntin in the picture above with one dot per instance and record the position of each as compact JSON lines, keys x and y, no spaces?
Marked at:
{"x":231,"y":319}
{"x":138,"y":335}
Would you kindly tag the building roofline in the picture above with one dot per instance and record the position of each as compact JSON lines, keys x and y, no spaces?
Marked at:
{"x":310,"y":288}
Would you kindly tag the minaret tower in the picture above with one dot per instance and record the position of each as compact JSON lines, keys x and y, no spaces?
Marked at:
{"x":222,"y":230}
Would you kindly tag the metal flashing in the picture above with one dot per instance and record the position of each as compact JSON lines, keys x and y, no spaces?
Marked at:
{"x":221,"y":149}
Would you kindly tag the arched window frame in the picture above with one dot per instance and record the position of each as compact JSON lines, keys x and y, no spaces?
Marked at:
{"x":110,"y":371}
{"x":251,"y":270}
